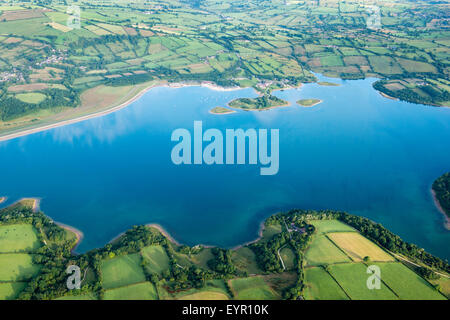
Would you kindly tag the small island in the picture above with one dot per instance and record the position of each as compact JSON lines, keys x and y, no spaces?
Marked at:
{"x":264,"y":102}
{"x":328,"y":84}
{"x":308,"y":102}
{"x":221,"y":110}
{"x":441,"y":195}
{"x":2,"y":199}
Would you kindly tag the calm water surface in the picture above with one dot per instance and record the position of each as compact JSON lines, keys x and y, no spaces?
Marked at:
{"x":357,"y":152}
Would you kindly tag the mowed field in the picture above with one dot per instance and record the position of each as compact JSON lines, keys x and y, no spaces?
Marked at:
{"x":213,"y":290}
{"x":157,"y":259}
{"x":17,"y":267}
{"x":10,"y":290}
{"x":335,"y":268}
{"x":407,"y":284}
{"x":322,"y":251}
{"x":122,"y":271}
{"x":353,"y":279}
{"x":252,"y":288}
{"x":358,"y":247}
{"x":139,"y":291}
{"x":321,"y":286}
{"x":18,"y":238}
{"x":325,"y":226}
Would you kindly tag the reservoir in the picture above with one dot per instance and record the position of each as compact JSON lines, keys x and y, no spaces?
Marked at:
{"x":356,"y":151}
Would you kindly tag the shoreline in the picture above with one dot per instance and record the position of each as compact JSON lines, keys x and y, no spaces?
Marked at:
{"x":288,"y":104}
{"x":78,"y":234}
{"x":163,"y":232}
{"x":260,"y":235}
{"x":314,"y":104}
{"x":441,"y":210}
{"x":221,"y":113}
{"x":109,"y":110}
{"x":388,"y":96}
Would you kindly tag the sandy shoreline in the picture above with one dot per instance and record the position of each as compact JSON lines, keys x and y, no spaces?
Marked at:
{"x":163,"y":232}
{"x":441,"y":210}
{"x":387,"y":96}
{"x":79,"y":235}
{"x":26,"y":132}
{"x":260,"y":235}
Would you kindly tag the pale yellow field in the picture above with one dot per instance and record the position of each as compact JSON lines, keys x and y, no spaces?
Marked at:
{"x":358,"y":247}
{"x":205,"y":295}
{"x":60,"y":27}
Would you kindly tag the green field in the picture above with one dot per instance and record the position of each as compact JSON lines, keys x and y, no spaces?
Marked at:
{"x":157,"y":259}
{"x":18,"y":238}
{"x":10,"y":290}
{"x":244,"y":259}
{"x":270,"y":231}
{"x":288,"y":257}
{"x":444,"y":285}
{"x":254,"y":288}
{"x":202,"y":257}
{"x":319,"y":285}
{"x":322,"y":251}
{"x":122,"y":271}
{"x":325,"y":226}
{"x":212,"y":290}
{"x":352,"y":277}
{"x":32,"y":97}
{"x":17,"y":267}
{"x":407,"y":284}
{"x":139,"y":291}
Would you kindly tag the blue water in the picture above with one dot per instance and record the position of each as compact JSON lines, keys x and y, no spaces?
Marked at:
{"x":357,"y":151}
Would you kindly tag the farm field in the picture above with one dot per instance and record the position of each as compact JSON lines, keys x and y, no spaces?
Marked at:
{"x":358,"y":247}
{"x":244,"y":259}
{"x":126,"y":45}
{"x":407,"y":284}
{"x":252,"y":288}
{"x":213,"y":290}
{"x":270,"y":231}
{"x":121,"y":271}
{"x":325,"y":226}
{"x":10,"y":290}
{"x":322,"y":251}
{"x":18,"y":238}
{"x":328,"y":273}
{"x":139,"y":291}
{"x":321,"y":286}
{"x":288,"y":257}
{"x":156,"y":258}
{"x":353,"y":276}
{"x":17,"y":267}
